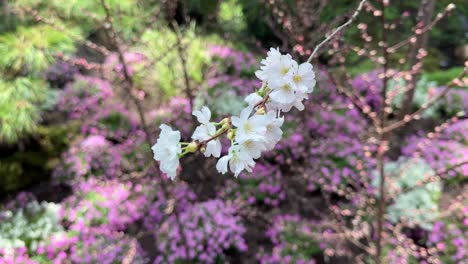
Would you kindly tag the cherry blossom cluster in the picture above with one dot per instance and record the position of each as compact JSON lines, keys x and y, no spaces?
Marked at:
{"x":285,"y":84}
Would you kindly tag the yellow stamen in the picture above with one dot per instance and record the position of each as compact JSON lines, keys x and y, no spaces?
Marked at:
{"x":297,"y":78}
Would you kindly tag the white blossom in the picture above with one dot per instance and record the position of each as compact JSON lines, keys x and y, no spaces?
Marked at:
{"x":285,"y":84}
{"x":237,"y":159}
{"x":304,"y":77}
{"x":167,"y":149}
{"x":284,"y":93}
{"x":275,"y":67}
{"x":205,"y":131}
{"x":248,"y":127}
{"x":253,"y":99}
{"x":273,"y":132}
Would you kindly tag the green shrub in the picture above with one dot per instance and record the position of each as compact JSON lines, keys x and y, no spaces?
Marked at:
{"x":231,"y":17}
{"x":19,"y":107}
{"x":30,"y":226}
{"x":30,"y":50}
{"x":133,"y":14}
{"x":159,"y":46}
{"x":442,"y":77}
{"x":417,"y":204}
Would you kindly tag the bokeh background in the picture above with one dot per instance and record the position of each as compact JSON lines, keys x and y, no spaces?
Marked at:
{"x":85,"y":84}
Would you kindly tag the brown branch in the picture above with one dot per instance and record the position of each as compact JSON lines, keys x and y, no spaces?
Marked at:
{"x":188,"y":88}
{"x":347,"y":23}
{"x":356,"y":103}
{"x":421,"y":31}
{"x":382,"y":139}
{"x":433,"y":178}
{"x":38,"y":18}
{"x":130,"y":85}
{"x":427,"y":105}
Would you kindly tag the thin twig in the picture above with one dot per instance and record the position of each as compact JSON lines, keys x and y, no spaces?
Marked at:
{"x":38,"y":18}
{"x":188,"y":88}
{"x":383,"y":145}
{"x":427,"y":105}
{"x":420,"y":31}
{"x":356,"y":103}
{"x":111,"y":34}
{"x":353,"y":17}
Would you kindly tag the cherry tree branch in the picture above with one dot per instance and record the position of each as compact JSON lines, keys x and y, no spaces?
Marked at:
{"x":338,"y":29}
{"x":424,"y":107}
{"x":110,"y":32}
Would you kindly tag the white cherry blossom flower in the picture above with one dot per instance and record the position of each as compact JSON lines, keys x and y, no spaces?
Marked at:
{"x":273,"y":132}
{"x":237,"y":159}
{"x":248,"y":127}
{"x":286,"y":84}
{"x":254,"y":148}
{"x":205,"y":131}
{"x":304,"y":77}
{"x":167,"y":149}
{"x":284,"y":93}
{"x":275,"y":67}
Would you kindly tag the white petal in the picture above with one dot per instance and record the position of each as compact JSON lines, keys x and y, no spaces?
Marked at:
{"x":283,"y":96}
{"x":245,"y":113}
{"x":305,"y":69}
{"x":236,"y":165}
{"x":222,"y":165}
{"x":203,"y":115}
{"x":253,"y":99}
{"x":201,"y":133}
{"x":213,"y":148}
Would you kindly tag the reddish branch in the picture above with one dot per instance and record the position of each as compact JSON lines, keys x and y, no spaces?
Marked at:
{"x":410,"y":117}
{"x":382,"y":141}
{"x":111,"y":34}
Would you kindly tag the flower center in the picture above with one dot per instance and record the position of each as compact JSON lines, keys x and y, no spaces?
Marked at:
{"x":247,"y":127}
{"x":286,"y":88}
{"x":249,"y":144}
{"x":297,"y":78}
{"x":284,"y":70}
{"x":269,"y":128}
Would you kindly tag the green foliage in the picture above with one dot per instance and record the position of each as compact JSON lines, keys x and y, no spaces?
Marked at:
{"x":30,"y":226}
{"x":19,"y":107}
{"x":413,"y":202}
{"x":298,"y":243}
{"x":226,"y":103}
{"x":443,"y":77}
{"x":25,"y":54}
{"x":160,"y":47}
{"x":10,"y":176}
{"x":231,"y":16}
{"x":22,"y":168}
{"x":451,"y":32}
{"x":202,"y":7}
{"x":421,"y":94}
{"x":425,"y":90}
{"x":360,"y":67}
{"x":30,"y":50}
{"x":115,"y":121}
{"x":133,"y":15}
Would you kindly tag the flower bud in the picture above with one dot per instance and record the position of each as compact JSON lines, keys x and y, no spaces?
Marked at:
{"x":231,"y":134}
{"x":260,"y":111}
{"x":225,"y":123}
{"x":192,"y":147}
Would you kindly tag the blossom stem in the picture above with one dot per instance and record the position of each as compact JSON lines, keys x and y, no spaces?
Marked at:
{"x":264,"y":101}
{"x":219,"y":133}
